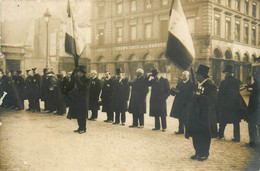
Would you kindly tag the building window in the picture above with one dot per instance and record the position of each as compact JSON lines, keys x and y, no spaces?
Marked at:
{"x":148,"y":4}
{"x":119,"y":34}
{"x":237,"y":5}
{"x":133,"y":6}
{"x":133,"y":32}
{"x":237,"y":56}
{"x":101,"y":10}
{"x":237,"y":33}
{"x":228,"y":28}
{"x":228,"y":3}
{"x":148,"y":31}
{"x":247,"y":6}
{"x":246,"y":33}
{"x":100,"y":36}
{"x":218,"y":1}
{"x":164,"y":29}
{"x":254,"y":9}
{"x":191,"y":25}
{"x":164,"y":2}
{"x":217,"y":25}
{"x":119,"y":8}
{"x":254,"y":35}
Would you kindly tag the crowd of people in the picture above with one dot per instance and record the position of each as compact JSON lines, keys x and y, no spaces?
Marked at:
{"x":198,"y":105}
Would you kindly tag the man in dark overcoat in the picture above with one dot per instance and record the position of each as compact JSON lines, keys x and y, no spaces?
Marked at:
{"x":183,"y":95}
{"x":95,"y":88}
{"x":28,"y":89}
{"x":60,"y":92}
{"x":228,"y":103}
{"x":106,"y":98}
{"x":254,"y":112}
{"x":45,"y":90}
{"x":120,"y":97}
{"x":20,"y":86}
{"x":3,"y":84}
{"x":137,"y":105}
{"x":201,"y":121}
{"x":52,"y":98}
{"x":79,"y":98}
{"x":36,"y":88}
{"x":159,"y":94}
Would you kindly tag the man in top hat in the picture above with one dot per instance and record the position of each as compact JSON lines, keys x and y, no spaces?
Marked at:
{"x":183,"y":95}
{"x":159,"y":94}
{"x":106,"y":97}
{"x":95,"y":89}
{"x":36,"y":88}
{"x":79,"y":99}
{"x":120,"y":96}
{"x":137,"y":105}
{"x":228,"y":103}
{"x":202,"y":121}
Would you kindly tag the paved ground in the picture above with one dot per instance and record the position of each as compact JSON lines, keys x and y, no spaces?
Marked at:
{"x":45,"y":142}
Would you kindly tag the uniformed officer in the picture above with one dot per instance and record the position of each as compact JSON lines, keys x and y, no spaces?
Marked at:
{"x":36,"y":88}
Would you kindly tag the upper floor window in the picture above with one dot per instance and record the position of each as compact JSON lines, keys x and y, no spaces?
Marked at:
{"x":237,"y":31}
{"x":228,"y":28}
{"x":133,"y":32}
{"x":191,"y":25}
{"x":164,"y":2}
{"x":237,"y":5}
{"x":218,"y":1}
{"x":164,"y":29}
{"x":119,"y":34}
{"x":217,"y":25}
{"x":148,"y":31}
{"x":101,"y":9}
{"x":133,"y":5}
{"x":228,"y":3}
{"x":100,"y":36}
{"x":254,"y":35}
{"x":148,"y":4}
{"x":119,"y":7}
{"x":246,"y":33}
{"x":254,"y":9}
{"x":247,"y":6}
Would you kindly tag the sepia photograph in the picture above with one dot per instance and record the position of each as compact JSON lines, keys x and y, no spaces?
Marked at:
{"x":129,"y":85}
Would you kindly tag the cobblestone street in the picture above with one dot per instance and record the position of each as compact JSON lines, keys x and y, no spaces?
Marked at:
{"x":46,"y":142}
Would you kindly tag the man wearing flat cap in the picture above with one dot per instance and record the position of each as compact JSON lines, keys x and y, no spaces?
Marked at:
{"x":79,"y":99}
{"x":159,"y":94}
{"x":120,"y":96}
{"x":228,"y":103}
{"x":202,"y":120}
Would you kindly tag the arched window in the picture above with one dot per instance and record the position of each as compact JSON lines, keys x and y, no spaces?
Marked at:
{"x":162,"y":63}
{"x":119,"y":62}
{"x":246,"y":57}
{"x":148,"y":64}
{"x":228,"y":54}
{"x":101,"y":64}
{"x":237,"y":56}
{"x":217,"y":53}
{"x":132,"y":66}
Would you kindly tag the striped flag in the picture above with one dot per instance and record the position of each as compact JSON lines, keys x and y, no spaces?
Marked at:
{"x":74,"y":44}
{"x":180,"y":48}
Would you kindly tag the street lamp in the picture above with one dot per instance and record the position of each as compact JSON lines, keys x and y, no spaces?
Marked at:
{"x":47,"y":17}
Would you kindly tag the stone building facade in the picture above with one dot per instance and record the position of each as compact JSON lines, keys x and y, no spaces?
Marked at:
{"x":133,"y":33}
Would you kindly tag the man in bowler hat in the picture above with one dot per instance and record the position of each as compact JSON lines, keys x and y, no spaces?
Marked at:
{"x":228,"y":103}
{"x":159,"y":94}
{"x":202,"y":122}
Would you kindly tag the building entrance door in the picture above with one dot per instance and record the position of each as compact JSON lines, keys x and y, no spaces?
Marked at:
{"x":12,"y":64}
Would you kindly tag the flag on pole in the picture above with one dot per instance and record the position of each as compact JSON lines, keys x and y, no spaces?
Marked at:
{"x":74,"y":44}
{"x":180,"y":48}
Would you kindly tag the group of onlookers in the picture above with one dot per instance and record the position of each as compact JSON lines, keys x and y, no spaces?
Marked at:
{"x":199,"y":105}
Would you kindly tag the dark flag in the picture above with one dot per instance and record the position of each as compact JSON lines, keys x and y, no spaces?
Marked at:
{"x":180,"y":48}
{"x":74,"y":44}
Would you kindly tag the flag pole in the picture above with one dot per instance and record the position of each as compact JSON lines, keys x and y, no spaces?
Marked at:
{"x":171,"y":8}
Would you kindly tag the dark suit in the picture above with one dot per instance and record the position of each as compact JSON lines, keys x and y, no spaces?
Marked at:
{"x":52,"y":99}
{"x":20,"y":86}
{"x":106,"y":97}
{"x":29,"y":91}
{"x":137,"y":105}
{"x":181,"y":102}
{"x":95,"y":88}
{"x":201,"y":120}
{"x":36,"y":88}
{"x":79,"y":101}
{"x":120,"y":98}
{"x":159,"y":95}
{"x":228,"y":105}
{"x":45,"y":91}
